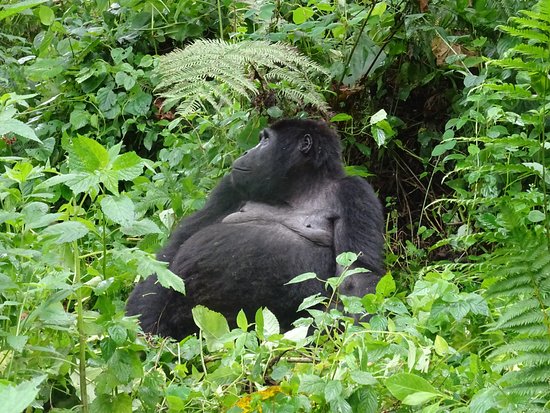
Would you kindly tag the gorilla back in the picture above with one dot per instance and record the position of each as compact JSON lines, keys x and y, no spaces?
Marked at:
{"x":286,"y":208}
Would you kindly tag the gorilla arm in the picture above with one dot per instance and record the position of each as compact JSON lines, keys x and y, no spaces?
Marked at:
{"x":223,"y":200}
{"x":359,"y":228}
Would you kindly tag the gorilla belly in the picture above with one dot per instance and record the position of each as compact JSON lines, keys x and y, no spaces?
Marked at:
{"x":251,"y":262}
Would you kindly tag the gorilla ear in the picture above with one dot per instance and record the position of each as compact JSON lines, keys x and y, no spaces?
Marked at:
{"x":306,"y":143}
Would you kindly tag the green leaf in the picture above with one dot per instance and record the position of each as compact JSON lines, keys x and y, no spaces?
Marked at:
{"x":301,"y":14}
{"x":302,"y":277}
{"x":242,"y":321}
{"x":67,"y":231}
{"x":19,"y":128}
{"x":168,"y":279}
{"x":378,"y":117}
{"x":402,"y":385}
{"x":46,"y":15}
{"x":128,"y":166}
{"x":86,"y":155}
{"x":139,"y":103}
{"x":142,"y":227}
{"x":443,"y":147}
{"x":119,"y":209}
{"x":79,"y":118}
{"x":333,"y":390}
{"x":212,"y":324}
{"x":418,"y":398}
{"x":106,"y":98}
{"x":312,"y":301}
{"x":441,"y":346}
{"x":45,"y":69}
{"x":346,"y":259}
{"x":536,"y":216}
{"x":386,"y":286}
{"x":341,"y":117}
{"x":11,"y":9}
{"x":18,"y":398}
{"x":271,"y":324}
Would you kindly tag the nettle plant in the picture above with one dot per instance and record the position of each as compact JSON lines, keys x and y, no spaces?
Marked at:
{"x":501,"y":180}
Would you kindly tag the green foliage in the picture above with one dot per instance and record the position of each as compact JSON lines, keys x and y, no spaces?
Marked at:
{"x":215,"y":72}
{"x":94,"y":175}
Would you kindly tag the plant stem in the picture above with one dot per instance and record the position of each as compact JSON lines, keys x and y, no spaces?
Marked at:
{"x":220,"y":23}
{"x":80,"y":328}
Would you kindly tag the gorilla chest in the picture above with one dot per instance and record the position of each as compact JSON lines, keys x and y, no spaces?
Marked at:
{"x":312,"y":225}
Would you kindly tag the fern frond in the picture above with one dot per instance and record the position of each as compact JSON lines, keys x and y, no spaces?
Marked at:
{"x":214,"y":72}
{"x":522,"y":269}
{"x":526,"y":34}
{"x":533,"y":52}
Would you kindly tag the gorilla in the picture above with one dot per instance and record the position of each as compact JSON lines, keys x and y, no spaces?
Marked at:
{"x":286,"y":208}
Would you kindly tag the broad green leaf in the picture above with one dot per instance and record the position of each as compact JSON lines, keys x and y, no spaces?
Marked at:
{"x":379,"y":9}
{"x":168,"y":279}
{"x":271,"y":324}
{"x":46,"y":15}
{"x":242,"y":321}
{"x":419,"y":398}
{"x":386,"y":286}
{"x":333,"y":390}
{"x":139,"y":103}
{"x":441,"y":346}
{"x":18,"y":398}
{"x":341,"y":117}
{"x":106,"y":98}
{"x":536,"y":216}
{"x":346,"y":259}
{"x":86,"y":155}
{"x":19,"y":128}
{"x":402,"y":385}
{"x":17,"y":342}
{"x":128,"y":166}
{"x":301,"y":14}
{"x":212,"y":324}
{"x":302,"y":277}
{"x":45,"y":69}
{"x":119,"y":209}
{"x":67,"y":231}
{"x":363,"y":377}
{"x":79,"y":118}
{"x":142,"y":227}
{"x":378,"y":116}
{"x":443,"y":147}
{"x":11,"y":9}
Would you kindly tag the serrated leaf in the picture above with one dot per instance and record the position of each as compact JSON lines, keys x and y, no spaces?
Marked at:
{"x":128,"y":166}
{"x":333,"y":390}
{"x":212,"y":324}
{"x":86,"y":155}
{"x":19,"y":128}
{"x":142,"y":227}
{"x":106,"y":98}
{"x":271,"y":324}
{"x":302,"y":277}
{"x":168,"y":279}
{"x":18,"y":398}
{"x":119,"y":209}
{"x":67,"y":231}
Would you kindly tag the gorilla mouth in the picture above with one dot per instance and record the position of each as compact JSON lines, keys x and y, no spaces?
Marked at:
{"x":236,"y":168}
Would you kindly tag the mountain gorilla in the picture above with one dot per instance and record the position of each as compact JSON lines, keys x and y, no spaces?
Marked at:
{"x":286,"y":208}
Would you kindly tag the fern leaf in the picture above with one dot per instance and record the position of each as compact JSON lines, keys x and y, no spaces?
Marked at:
{"x":213,"y":73}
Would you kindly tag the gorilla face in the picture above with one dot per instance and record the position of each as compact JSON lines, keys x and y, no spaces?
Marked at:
{"x":267,"y":168}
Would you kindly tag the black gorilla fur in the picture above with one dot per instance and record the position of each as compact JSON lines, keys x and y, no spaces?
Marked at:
{"x":286,"y":208}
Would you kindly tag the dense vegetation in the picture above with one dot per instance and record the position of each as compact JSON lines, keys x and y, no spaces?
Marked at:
{"x":442,"y":104}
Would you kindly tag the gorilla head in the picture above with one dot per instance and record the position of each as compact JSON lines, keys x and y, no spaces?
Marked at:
{"x":289,"y":154}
